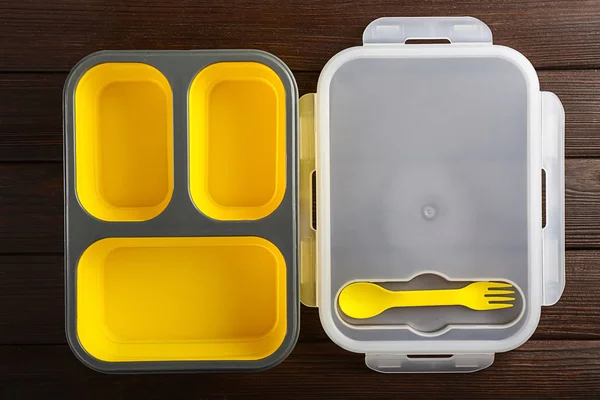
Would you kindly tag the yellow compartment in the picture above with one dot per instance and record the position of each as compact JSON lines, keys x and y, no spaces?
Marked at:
{"x":124,"y":141}
{"x":237,"y":122}
{"x":160,"y":299}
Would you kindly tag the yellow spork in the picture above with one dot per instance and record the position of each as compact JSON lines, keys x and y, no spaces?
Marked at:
{"x":366,"y":300}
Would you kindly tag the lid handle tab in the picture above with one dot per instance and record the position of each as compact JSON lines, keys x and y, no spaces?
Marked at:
{"x":397,"y":30}
{"x":402,"y":363}
{"x":553,"y":163}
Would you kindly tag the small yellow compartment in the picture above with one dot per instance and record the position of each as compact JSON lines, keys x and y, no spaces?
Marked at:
{"x":124,"y":141}
{"x":237,"y":137}
{"x":162,"y":299}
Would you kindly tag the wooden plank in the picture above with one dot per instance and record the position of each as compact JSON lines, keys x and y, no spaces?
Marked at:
{"x":582,"y":194}
{"x":539,"y":369}
{"x":304,"y":34}
{"x":32,"y":305}
{"x":31,"y":117}
{"x":31,"y":113}
{"x":577,"y":314}
{"x":31,"y":206}
{"x":32,"y":299}
{"x":579,"y":92}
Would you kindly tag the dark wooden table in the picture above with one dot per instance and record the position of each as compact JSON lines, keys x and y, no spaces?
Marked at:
{"x":41,"y":40}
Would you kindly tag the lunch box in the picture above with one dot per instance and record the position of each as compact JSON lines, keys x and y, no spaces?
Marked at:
{"x":204,"y":201}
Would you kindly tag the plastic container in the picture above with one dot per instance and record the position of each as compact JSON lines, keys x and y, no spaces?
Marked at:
{"x":429,"y":160}
{"x":181,"y":199}
{"x":190,"y":234}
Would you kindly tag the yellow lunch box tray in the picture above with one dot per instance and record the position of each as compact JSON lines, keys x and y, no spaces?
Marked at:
{"x":181,"y":210}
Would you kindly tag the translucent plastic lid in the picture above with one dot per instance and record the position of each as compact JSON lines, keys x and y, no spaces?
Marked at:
{"x":428,"y":167}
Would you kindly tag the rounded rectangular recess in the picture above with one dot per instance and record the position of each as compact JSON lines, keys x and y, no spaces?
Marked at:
{"x":237,"y":140}
{"x":433,"y":321}
{"x":124,"y":141}
{"x":175,"y":299}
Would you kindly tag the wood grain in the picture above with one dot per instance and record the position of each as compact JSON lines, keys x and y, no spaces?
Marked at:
{"x":579,"y":91}
{"x":41,"y":41}
{"x":31,"y":206}
{"x":53,"y":36}
{"x":582,"y":193}
{"x":32,"y":299}
{"x":31,"y":112}
{"x":313,"y":370}
{"x":31,"y":117}
{"x":32,"y":305}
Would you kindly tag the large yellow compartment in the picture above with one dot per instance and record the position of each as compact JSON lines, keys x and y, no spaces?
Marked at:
{"x":237,"y":137}
{"x":124,"y":141}
{"x":161,"y":299}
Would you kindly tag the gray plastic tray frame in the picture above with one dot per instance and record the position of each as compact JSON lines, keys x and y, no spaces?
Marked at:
{"x":181,"y":218}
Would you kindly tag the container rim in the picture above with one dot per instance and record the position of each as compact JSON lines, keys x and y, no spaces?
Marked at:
{"x":534,"y":141}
